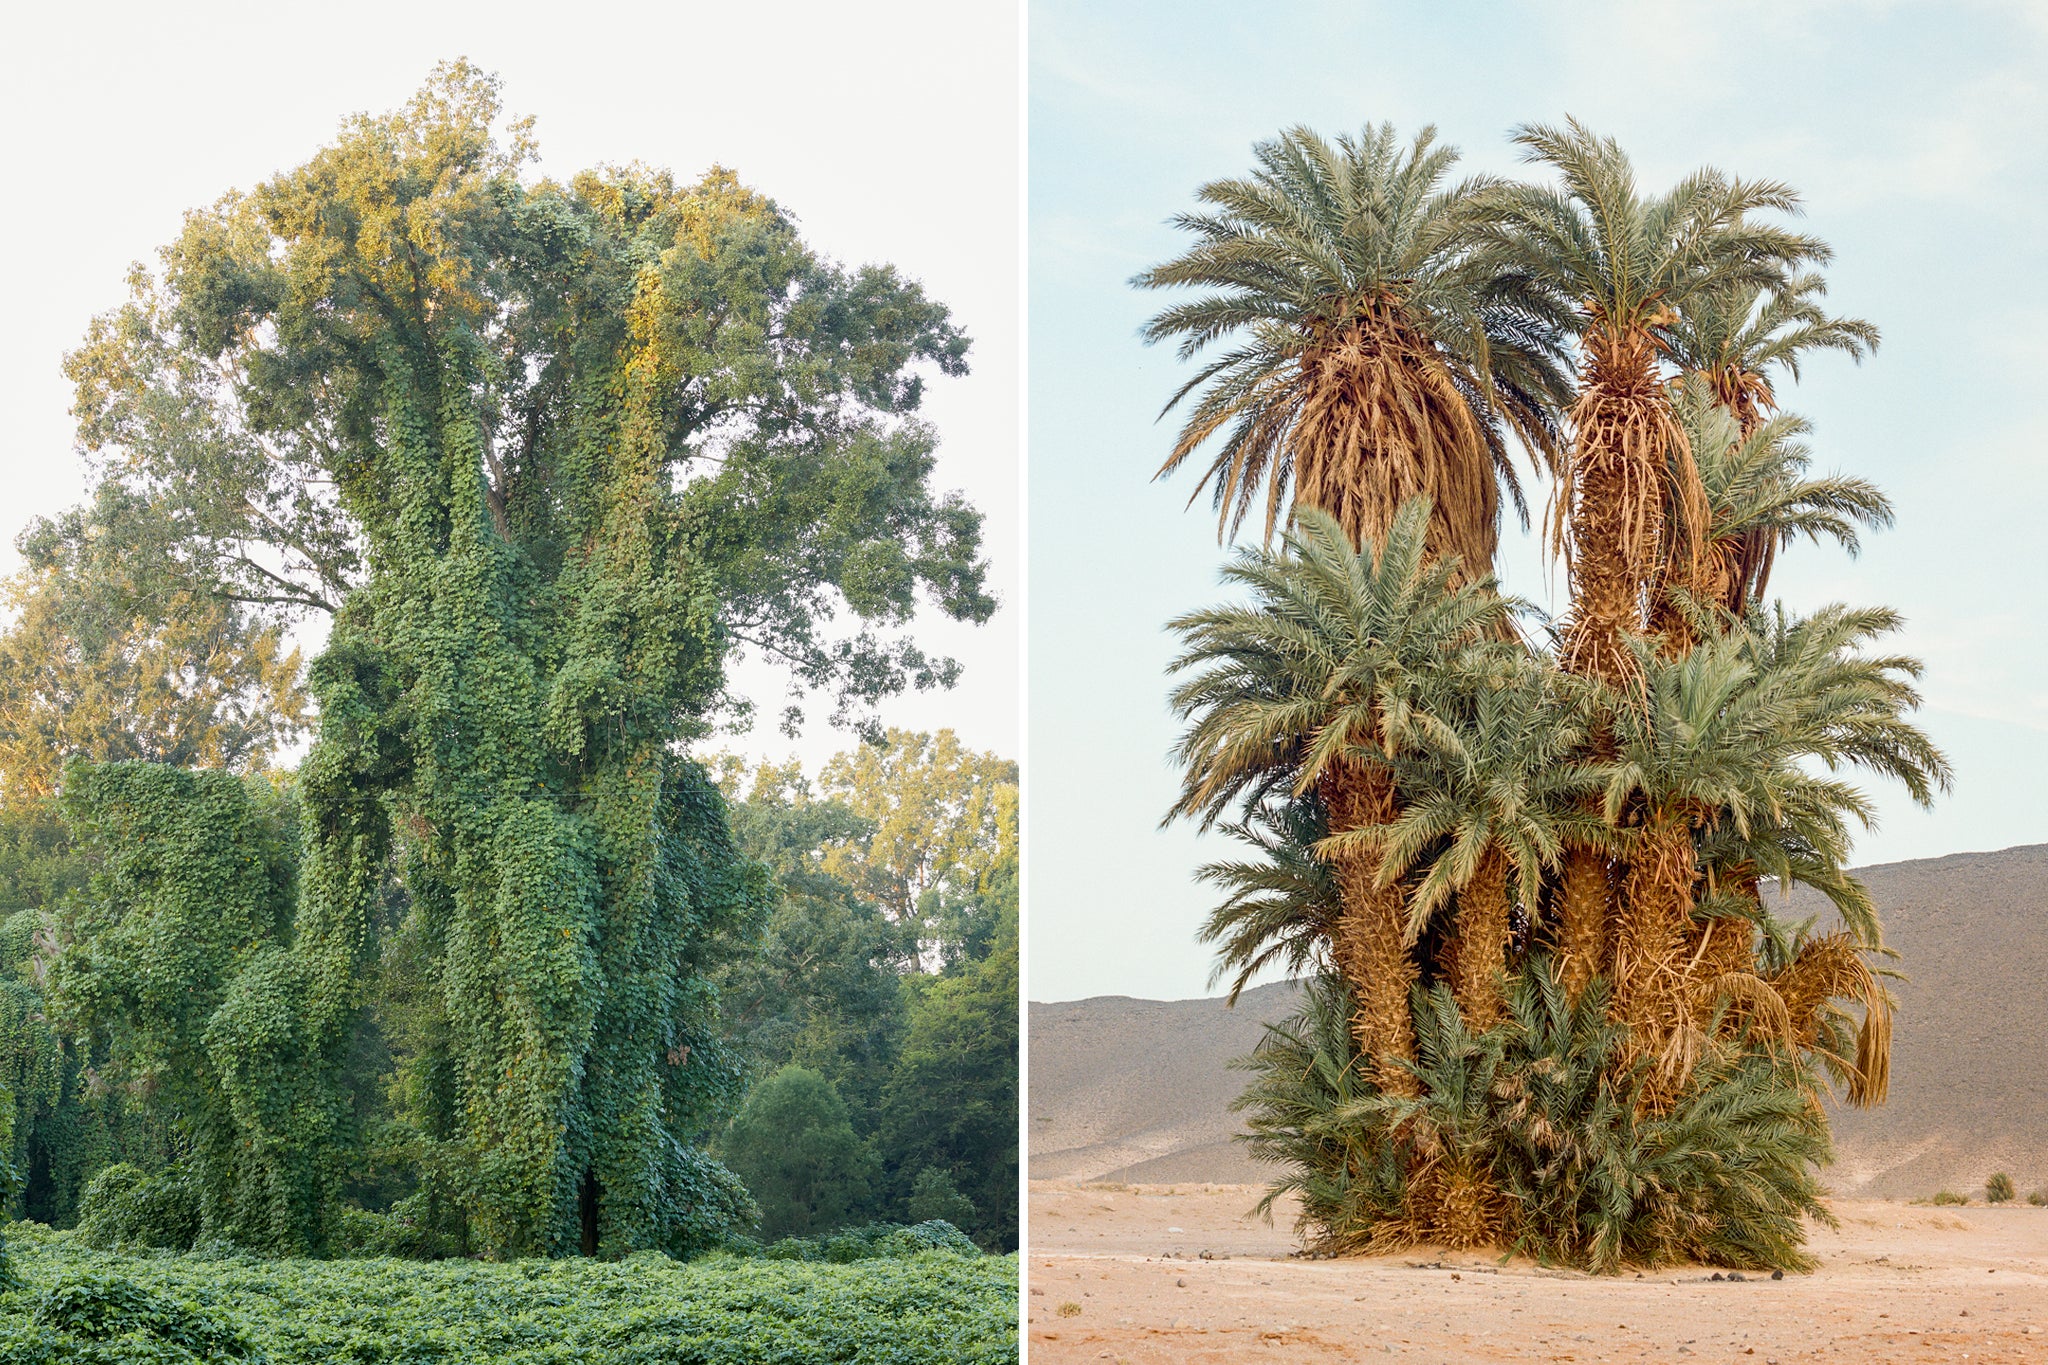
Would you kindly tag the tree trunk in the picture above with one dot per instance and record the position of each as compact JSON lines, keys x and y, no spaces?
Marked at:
{"x":1372,"y":940}
{"x":1478,"y":952}
{"x":1625,"y":435}
{"x":1582,"y":920}
{"x":1649,"y":944}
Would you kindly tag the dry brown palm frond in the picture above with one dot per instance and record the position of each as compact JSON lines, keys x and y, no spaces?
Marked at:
{"x":1381,"y":420}
{"x":1455,"y":1204}
{"x":1834,"y":968}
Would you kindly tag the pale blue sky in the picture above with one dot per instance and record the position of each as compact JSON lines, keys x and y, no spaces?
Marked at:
{"x":1914,"y":131}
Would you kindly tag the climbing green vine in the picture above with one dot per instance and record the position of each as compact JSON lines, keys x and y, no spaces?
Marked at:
{"x":559,"y":450}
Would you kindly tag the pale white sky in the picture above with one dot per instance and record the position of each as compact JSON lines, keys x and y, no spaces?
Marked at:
{"x":1912,"y":126}
{"x":890,"y":130}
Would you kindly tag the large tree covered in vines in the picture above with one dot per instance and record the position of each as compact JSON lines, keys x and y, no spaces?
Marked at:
{"x":548,"y":454}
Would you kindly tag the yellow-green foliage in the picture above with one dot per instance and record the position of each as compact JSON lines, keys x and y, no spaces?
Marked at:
{"x":584,"y":440}
{"x":1950,"y":1199}
{"x":908,"y":1308}
{"x":1999,"y":1189}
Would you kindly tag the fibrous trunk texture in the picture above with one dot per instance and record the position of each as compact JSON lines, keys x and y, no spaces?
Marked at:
{"x":1650,"y":965}
{"x":1478,"y":950}
{"x":1582,"y":919}
{"x":1372,"y":941}
{"x":1610,"y":499}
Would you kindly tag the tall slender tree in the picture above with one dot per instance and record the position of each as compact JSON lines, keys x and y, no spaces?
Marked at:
{"x":1313,"y":687}
{"x":1617,"y":266}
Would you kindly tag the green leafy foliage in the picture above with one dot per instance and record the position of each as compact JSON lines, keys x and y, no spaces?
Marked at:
{"x":1531,"y":1136}
{"x":125,"y":1207}
{"x":935,"y":1198}
{"x":1999,"y":1189}
{"x":909,"y":1017}
{"x":875,"y":1241}
{"x":549,"y":454}
{"x":909,"y":1296}
{"x":128,"y":1322}
{"x":952,"y":1102}
{"x":116,"y":652}
{"x":792,"y":1144}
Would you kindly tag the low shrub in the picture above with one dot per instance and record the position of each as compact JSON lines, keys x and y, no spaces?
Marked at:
{"x":928,"y":1308}
{"x":1532,"y":1137}
{"x":1950,"y":1199}
{"x":123,"y":1321}
{"x":126,"y":1207}
{"x":401,"y":1233}
{"x":2039,"y":1199}
{"x":874,"y":1242}
{"x":1998,"y":1189}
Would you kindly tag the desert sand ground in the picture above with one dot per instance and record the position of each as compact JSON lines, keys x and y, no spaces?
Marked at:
{"x":1172,"y":1273}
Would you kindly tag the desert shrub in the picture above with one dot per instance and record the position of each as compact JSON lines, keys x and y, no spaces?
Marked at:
{"x":1534,"y":1137}
{"x":1950,"y":1199}
{"x":1998,"y":1189}
{"x":2038,"y":1198}
{"x":123,"y":1206}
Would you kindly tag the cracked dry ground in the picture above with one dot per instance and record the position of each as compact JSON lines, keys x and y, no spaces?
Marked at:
{"x":1118,"y":1273}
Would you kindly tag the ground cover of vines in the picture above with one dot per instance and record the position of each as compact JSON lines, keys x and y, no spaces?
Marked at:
{"x":82,"y":1305}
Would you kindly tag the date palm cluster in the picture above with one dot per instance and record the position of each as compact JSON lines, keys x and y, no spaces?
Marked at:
{"x":1531,"y":865}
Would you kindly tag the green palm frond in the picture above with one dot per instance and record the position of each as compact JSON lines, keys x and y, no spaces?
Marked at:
{"x":1319,"y":236}
{"x":1544,"y":1109}
{"x":1327,"y":660}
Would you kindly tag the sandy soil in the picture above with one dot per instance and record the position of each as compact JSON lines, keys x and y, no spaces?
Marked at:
{"x":1172,"y":1273}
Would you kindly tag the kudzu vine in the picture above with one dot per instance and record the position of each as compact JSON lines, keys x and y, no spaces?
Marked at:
{"x":589,"y":439}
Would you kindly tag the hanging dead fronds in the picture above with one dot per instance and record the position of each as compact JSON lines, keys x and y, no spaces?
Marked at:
{"x":1380,"y":420}
{"x":1831,"y":969}
{"x":1630,"y":466}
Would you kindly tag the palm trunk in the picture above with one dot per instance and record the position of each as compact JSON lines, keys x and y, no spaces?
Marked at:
{"x":1478,"y":952}
{"x":1371,"y":945}
{"x":1624,"y":437}
{"x":1650,"y":995}
{"x":1582,"y":919}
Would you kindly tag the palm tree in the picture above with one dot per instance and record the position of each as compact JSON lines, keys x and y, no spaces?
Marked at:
{"x":1733,"y":338}
{"x":1728,"y":733}
{"x":1489,"y":795}
{"x":1618,"y":268}
{"x":1281,"y":908}
{"x":1759,"y":500}
{"x":1373,"y":360}
{"x":1311,"y":687}
{"x":1615,"y":267}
